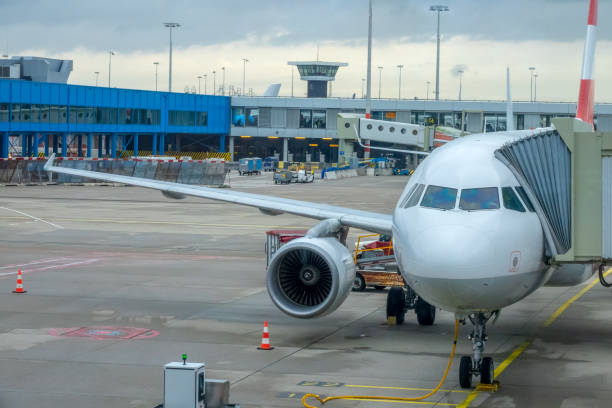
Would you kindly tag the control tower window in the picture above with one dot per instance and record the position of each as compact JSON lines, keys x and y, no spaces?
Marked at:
{"x":442,"y":198}
{"x":473,"y":199}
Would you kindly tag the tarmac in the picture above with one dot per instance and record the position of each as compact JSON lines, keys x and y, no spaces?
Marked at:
{"x":121,"y":281}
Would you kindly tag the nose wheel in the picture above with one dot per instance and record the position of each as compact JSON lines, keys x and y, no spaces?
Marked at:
{"x":479,"y":365}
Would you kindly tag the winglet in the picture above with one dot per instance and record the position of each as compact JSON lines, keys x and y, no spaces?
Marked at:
{"x":49,"y":162}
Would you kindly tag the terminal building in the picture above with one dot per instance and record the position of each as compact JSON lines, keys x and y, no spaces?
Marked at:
{"x":71,"y":120}
{"x":297,"y":129}
{"x":40,"y":113}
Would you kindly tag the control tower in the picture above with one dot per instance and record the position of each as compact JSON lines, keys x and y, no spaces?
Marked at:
{"x":318,"y":74}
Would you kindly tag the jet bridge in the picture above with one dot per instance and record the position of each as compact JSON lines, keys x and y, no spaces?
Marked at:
{"x":352,"y":125}
{"x":567,"y":173}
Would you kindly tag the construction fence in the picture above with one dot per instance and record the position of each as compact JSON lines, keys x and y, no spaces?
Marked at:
{"x":210,"y":172}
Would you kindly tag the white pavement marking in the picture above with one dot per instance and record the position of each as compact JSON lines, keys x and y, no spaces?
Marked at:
{"x":66,"y":265}
{"x":38,"y":262}
{"x":34,"y":218}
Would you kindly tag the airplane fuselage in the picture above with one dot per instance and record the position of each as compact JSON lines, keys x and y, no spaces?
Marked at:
{"x":465,"y":238}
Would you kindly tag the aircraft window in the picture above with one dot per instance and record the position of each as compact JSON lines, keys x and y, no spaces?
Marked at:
{"x":473,"y":199}
{"x":439,"y":197}
{"x":413,"y":197}
{"x":511,"y":200}
{"x":526,"y":200}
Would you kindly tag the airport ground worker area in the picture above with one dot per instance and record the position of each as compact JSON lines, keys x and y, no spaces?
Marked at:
{"x":121,"y":281}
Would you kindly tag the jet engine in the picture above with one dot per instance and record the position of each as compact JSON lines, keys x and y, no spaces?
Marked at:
{"x":310,"y":277}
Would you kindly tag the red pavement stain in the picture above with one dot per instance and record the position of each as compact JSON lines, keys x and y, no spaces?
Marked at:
{"x":105,"y":333}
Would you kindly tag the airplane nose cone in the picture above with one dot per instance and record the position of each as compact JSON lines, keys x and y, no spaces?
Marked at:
{"x":454,"y":250}
{"x":451,"y":265}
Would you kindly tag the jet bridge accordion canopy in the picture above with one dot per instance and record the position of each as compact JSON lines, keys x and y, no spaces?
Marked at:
{"x":543,"y":166}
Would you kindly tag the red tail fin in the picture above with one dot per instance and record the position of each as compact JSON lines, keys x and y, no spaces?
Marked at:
{"x":587,"y":84}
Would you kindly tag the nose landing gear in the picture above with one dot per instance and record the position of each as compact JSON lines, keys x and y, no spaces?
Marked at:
{"x":479,"y":366}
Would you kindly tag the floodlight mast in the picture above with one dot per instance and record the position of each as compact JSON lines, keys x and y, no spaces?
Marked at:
{"x":170,"y":26}
{"x":438,"y":9}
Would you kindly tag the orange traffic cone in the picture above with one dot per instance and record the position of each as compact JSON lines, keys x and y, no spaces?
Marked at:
{"x":265,"y":339}
{"x":19,"y":288}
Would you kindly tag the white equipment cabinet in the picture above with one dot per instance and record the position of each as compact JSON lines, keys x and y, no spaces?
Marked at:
{"x":184,"y":385}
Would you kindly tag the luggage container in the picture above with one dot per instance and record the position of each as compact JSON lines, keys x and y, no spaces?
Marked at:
{"x":249,"y":166}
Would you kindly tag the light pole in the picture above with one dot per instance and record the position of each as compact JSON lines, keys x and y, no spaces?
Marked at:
{"x":399,"y":86}
{"x":460,"y":72}
{"x":379,"y":80}
{"x":110,"y":54}
{"x":199,"y":81}
{"x":156,"y":65}
{"x":214,"y":82}
{"x":97,"y":73}
{"x":170,"y":26}
{"x":369,"y":70}
{"x":428,"y":83}
{"x":531,"y":69}
{"x":438,"y":9}
{"x":205,"y":83}
{"x":362,"y":88}
{"x":244,"y":62}
{"x":223,"y":82}
{"x":535,"y":87}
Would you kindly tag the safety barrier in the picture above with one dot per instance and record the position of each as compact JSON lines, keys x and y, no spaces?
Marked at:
{"x":31,"y":170}
{"x":178,"y":155}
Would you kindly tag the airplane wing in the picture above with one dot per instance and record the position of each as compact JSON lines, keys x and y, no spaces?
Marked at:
{"x":370,"y":221}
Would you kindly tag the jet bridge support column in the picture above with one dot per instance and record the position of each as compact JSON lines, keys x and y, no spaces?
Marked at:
{"x":231,"y":147}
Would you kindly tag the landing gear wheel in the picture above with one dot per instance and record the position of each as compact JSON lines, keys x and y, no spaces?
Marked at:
{"x":396,"y":305}
{"x":359,"y":283}
{"x":465,"y":372}
{"x":486,"y":370}
{"x":426,"y":313}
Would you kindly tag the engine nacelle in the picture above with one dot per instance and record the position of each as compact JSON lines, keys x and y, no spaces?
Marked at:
{"x":571,"y":274}
{"x":310,"y":277}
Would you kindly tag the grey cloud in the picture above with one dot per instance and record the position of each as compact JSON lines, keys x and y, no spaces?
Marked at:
{"x":136,"y":25}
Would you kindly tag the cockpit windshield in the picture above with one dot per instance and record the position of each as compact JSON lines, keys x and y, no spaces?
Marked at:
{"x":442,"y":198}
{"x":473,"y":199}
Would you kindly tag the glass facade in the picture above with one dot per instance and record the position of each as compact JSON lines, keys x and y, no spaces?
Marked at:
{"x":252,"y":117}
{"x":82,"y":115}
{"x":238,"y":117}
{"x":306,"y":118}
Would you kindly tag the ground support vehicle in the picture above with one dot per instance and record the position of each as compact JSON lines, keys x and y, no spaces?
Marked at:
{"x":304,"y":177}
{"x":277,"y":238}
{"x":270,"y":163}
{"x":283,"y":177}
{"x":249,"y":166}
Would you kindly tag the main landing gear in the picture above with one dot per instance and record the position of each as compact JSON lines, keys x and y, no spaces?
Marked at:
{"x":479,"y":366}
{"x":400,"y":300}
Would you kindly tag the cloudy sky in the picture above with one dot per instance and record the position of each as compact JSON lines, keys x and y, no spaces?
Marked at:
{"x":480,"y":36}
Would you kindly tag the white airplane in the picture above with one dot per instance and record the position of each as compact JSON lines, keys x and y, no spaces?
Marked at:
{"x":465,"y":235}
